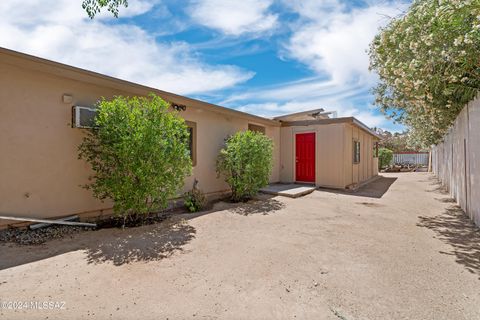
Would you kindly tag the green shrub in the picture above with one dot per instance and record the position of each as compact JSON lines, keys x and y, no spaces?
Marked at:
{"x":194,"y":200}
{"x":246,"y":163}
{"x":138,"y":152}
{"x":428,"y":67}
{"x":385,"y":157}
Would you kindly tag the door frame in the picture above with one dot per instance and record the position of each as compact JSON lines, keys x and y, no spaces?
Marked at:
{"x":295,"y":154}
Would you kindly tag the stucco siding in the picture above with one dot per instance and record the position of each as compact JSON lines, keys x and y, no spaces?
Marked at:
{"x":330,"y":171}
{"x":355,"y":167}
{"x":329,"y":154}
{"x":348,"y":155}
{"x":357,"y":173}
{"x":287,"y":156}
{"x":274,"y":134}
{"x":40,"y":173}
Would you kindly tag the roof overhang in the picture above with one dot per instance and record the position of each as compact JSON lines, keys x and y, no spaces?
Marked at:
{"x":312,"y":113}
{"x":349,"y":120}
{"x":34,"y":63}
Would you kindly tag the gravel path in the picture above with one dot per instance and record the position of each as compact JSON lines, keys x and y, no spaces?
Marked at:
{"x":25,"y":236}
{"x":405,"y":253}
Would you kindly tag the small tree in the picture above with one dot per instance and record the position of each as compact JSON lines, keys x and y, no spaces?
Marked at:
{"x":138,"y":152}
{"x":246,"y":162}
{"x":385,"y":157}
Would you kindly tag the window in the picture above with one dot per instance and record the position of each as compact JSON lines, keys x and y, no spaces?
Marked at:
{"x":256,"y":128}
{"x":83,"y":117}
{"x":356,"y":151}
{"x":192,"y":142}
{"x":375,"y":150}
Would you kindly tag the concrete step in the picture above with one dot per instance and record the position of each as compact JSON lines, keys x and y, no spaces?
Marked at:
{"x":291,"y":190}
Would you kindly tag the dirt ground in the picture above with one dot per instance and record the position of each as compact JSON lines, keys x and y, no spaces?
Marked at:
{"x":397,"y":249}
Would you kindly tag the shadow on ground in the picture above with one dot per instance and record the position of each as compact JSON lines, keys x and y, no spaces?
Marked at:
{"x":261,"y":207}
{"x":437,"y":186}
{"x":454,"y":228}
{"x":141,"y":244}
{"x":446,"y":200}
{"x":118,"y":246}
{"x":375,"y":189}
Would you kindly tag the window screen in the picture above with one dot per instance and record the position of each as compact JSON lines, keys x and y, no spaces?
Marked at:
{"x":375,"y":150}
{"x":83,"y":117}
{"x":192,"y":141}
{"x":256,"y":128}
{"x":356,"y":151}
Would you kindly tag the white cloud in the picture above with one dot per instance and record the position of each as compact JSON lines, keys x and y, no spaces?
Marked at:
{"x":233,"y":17}
{"x":335,"y":43}
{"x":314,"y":9}
{"x":313,"y":88}
{"x":348,"y":100}
{"x":61,"y":31}
{"x":343,"y":108}
{"x":331,"y":40}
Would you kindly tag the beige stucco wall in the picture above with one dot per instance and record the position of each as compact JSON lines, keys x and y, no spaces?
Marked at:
{"x":328,"y":154}
{"x":334,"y":166}
{"x":356,"y":173}
{"x":39,"y":169}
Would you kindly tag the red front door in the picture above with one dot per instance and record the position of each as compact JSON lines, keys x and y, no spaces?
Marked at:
{"x":305,"y":157}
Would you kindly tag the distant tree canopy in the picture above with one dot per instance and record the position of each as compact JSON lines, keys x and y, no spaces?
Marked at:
{"x":385,"y":157}
{"x":398,"y":141}
{"x":427,"y":61}
{"x":92,"y":7}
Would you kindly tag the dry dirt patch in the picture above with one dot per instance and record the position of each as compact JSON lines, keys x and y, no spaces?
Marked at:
{"x":390,"y":251}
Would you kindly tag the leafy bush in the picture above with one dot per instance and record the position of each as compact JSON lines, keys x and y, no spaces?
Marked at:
{"x":385,"y":157}
{"x":246,"y":162}
{"x":427,"y":61}
{"x":194,"y":200}
{"x":138,"y":152}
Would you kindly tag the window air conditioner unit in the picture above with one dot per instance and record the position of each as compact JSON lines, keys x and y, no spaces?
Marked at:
{"x":83,"y":117}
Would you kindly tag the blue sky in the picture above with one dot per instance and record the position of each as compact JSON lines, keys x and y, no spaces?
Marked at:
{"x":267,"y":57}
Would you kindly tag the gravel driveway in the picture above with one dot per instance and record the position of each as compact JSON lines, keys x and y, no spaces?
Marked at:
{"x":397,"y":249}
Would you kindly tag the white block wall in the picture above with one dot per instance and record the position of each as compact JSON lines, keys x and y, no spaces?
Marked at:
{"x":456,"y":160}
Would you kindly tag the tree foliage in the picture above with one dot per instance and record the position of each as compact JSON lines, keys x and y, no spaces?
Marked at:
{"x":427,"y":61}
{"x":398,"y":141}
{"x":139,"y":153}
{"x":385,"y":157}
{"x":92,"y":7}
{"x":246,"y":162}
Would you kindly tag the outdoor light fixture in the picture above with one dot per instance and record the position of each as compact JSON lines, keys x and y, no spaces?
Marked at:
{"x":178,"y":107}
{"x":67,"y":98}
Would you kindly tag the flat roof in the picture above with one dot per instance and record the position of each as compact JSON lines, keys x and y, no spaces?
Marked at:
{"x":301,"y":113}
{"x":351,"y":120}
{"x":24,"y":60}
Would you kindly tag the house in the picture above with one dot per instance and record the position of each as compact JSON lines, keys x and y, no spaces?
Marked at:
{"x":41,"y":175}
{"x":330,"y":152}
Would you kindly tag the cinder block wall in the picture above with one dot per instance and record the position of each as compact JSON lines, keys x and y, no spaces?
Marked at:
{"x":456,"y":160}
